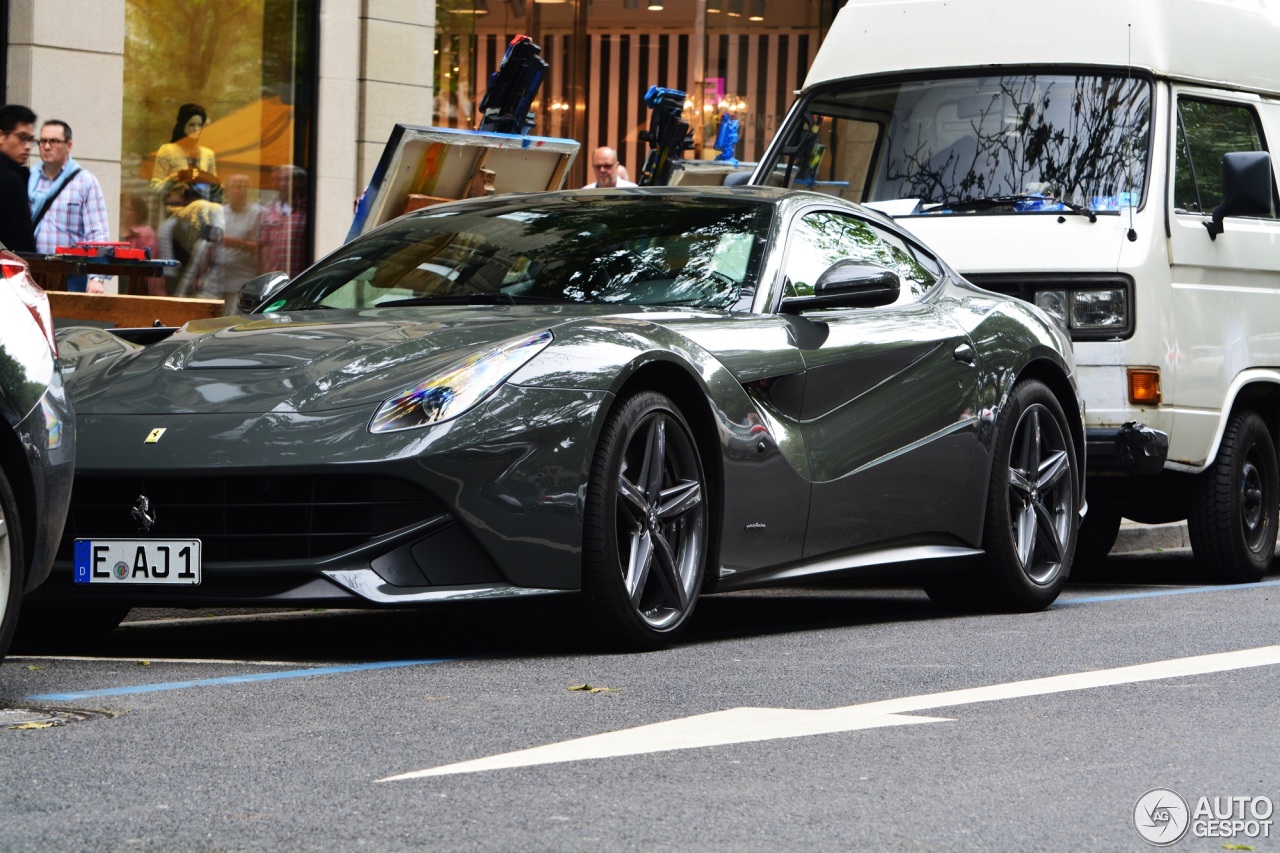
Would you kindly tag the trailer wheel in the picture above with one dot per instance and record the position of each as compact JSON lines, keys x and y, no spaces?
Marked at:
{"x":1232,"y":522}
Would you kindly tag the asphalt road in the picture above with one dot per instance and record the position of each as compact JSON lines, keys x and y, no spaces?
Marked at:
{"x":287,"y":731}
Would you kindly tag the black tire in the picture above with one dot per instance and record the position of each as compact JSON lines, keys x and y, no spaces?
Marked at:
{"x":1232,"y":522}
{"x":645,"y":534}
{"x":12,"y":564}
{"x":1098,"y":533}
{"x":1032,"y":522}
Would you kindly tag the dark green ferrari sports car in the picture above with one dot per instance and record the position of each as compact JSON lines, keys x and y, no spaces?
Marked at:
{"x":636,"y":396}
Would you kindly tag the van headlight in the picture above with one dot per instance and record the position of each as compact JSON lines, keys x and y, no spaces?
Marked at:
{"x":458,"y":387}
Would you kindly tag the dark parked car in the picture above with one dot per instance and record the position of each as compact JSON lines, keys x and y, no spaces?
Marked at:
{"x":37,"y":444}
{"x":641,"y":395}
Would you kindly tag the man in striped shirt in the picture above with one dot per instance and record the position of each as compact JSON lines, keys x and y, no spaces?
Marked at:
{"x":67,"y":206}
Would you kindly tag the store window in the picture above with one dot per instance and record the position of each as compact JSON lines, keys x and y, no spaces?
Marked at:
{"x":743,"y":59}
{"x":217,"y":139}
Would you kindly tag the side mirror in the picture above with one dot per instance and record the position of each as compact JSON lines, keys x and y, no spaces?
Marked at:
{"x":849,"y":284}
{"x":1246,"y":188}
{"x":255,"y":291}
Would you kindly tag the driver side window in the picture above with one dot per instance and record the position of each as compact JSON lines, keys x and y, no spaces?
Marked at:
{"x":822,"y":238}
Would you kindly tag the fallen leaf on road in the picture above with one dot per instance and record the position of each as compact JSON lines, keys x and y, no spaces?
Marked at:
{"x":587,"y":688}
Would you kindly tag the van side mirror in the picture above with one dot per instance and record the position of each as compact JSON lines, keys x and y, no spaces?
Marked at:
{"x":849,"y":284}
{"x":256,"y":290}
{"x":1246,"y":188}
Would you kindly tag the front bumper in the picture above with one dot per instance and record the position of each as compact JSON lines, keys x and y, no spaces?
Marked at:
{"x":1131,"y":448}
{"x":313,"y":510}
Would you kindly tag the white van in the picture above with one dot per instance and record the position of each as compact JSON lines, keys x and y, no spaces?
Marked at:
{"x":1106,"y":160}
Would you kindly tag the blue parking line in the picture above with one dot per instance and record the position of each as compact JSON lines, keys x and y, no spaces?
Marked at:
{"x":1160,"y":592}
{"x":233,"y":679}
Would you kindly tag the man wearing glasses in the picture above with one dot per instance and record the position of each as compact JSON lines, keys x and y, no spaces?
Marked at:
{"x":604,"y":162}
{"x":17,"y":126}
{"x":67,"y":206}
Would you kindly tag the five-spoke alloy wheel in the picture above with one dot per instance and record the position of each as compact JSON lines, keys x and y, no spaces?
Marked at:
{"x":646,"y":533}
{"x":1033,"y":503}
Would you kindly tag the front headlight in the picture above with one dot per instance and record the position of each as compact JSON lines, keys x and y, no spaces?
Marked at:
{"x":1099,"y":309}
{"x":458,"y":387}
{"x":1091,"y":312}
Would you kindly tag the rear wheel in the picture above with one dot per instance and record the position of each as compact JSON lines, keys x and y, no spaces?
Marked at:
{"x":1232,"y":523}
{"x":646,"y":527}
{"x":11,"y":564}
{"x":1032,"y":520}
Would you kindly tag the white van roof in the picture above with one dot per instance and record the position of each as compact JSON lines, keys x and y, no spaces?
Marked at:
{"x":1225,"y":42}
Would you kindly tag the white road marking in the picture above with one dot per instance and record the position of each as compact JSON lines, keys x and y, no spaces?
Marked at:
{"x":746,"y":725}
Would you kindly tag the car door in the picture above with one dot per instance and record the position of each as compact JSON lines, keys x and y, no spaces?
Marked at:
{"x":888,"y":413}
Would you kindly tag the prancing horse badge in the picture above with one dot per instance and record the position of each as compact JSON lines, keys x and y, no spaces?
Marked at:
{"x":154,"y":435}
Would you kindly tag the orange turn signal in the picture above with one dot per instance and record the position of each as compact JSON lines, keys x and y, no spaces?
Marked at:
{"x":1144,"y":386}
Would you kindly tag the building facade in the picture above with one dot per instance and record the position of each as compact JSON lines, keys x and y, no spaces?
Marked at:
{"x":298,"y":97}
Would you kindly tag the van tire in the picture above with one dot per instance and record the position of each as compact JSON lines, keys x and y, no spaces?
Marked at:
{"x":1098,"y":534}
{"x":1232,"y":523}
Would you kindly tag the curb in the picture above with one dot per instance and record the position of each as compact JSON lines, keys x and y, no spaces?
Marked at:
{"x":1135,"y":538}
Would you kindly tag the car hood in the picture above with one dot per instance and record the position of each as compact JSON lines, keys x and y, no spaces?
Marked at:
{"x":302,"y":361}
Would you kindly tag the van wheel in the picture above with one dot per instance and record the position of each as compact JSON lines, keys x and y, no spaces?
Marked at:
{"x":1232,"y":522}
{"x":1098,"y":533}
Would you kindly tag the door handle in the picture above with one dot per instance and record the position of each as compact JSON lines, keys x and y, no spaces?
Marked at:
{"x":965,"y":355}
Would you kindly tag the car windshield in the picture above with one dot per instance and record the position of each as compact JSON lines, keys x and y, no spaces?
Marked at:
{"x":1014,"y":143}
{"x":630,"y":249}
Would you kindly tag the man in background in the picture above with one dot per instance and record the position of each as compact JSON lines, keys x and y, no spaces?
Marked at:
{"x":238,"y":257}
{"x":604,"y":162}
{"x":17,"y":132}
{"x":67,"y":206}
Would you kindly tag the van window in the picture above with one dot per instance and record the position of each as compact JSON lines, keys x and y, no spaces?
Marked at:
{"x":1206,"y":131}
{"x":1012,"y":143}
{"x":820,"y":239}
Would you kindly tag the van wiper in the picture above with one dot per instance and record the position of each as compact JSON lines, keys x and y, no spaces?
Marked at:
{"x":987,"y":202}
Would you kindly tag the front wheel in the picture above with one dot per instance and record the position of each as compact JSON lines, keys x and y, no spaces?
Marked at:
{"x":1232,"y":522}
{"x":645,"y":535}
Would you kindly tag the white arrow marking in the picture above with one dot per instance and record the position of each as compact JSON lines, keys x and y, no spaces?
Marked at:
{"x":745,"y":725}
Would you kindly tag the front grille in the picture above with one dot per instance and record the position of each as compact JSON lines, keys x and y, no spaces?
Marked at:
{"x":249,"y":518}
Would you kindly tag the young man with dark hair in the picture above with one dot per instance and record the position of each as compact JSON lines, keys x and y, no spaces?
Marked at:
{"x":17,"y":132}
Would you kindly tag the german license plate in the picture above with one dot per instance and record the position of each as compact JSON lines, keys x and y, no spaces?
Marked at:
{"x":141,"y":561}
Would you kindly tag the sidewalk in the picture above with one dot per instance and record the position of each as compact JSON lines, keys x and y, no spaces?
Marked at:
{"x":1136,"y":538}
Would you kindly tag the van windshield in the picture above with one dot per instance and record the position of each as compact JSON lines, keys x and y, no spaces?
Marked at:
{"x":1014,"y":143}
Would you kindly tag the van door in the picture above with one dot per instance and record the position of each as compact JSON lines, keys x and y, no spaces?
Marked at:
{"x":1225,"y":291}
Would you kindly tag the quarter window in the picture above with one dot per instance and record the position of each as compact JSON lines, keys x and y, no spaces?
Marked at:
{"x":822,"y":238}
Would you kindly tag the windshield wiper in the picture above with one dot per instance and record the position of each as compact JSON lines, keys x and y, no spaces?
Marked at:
{"x":987,"y":202}
{"x":494,"y":298}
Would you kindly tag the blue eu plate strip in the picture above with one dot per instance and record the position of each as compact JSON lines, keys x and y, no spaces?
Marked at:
{"x":82,"y":560}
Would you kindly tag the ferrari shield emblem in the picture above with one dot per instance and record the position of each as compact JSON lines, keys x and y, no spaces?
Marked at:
{"x":154,"y":435}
